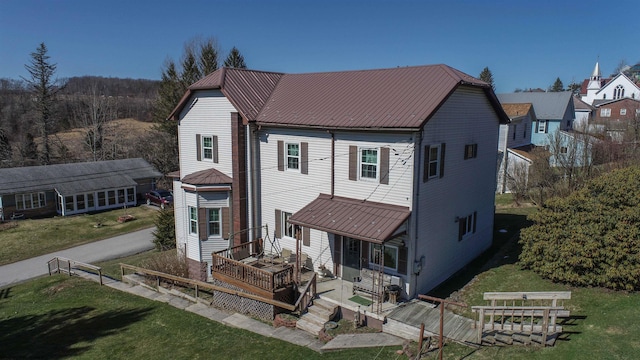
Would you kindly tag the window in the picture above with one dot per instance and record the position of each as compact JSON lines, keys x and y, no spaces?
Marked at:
{"x":207,"y":147}
{"x":542,"y":126}
{"x":623,"y":112}
{"x":102,"y":198}
{"x":618,"y":92}
{"x":90,"y":201}
{"x":120,"y":196}
{"x":30,"y":201}
{"x":433,"y":162}
{"x":369,"y":163}
{"x":193,"y":220}
{"x":471,"y":151}
{"x":287,"y":228}
{"x":215,"y":224}
{"x":111,"y":200}
{"x":293,"y":156}
{"x":563,"y":149}
{"x":605,"y":112}
{"x":131,"y":195}
{"x":389,"y":253}
{"x":466,"y":225}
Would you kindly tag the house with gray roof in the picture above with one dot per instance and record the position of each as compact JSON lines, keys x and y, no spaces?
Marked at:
{"x":554,"y":111}
{"x":387,"y":169}
{"x":75,"y":188}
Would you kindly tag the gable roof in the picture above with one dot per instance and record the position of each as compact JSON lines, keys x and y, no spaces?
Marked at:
{"x":548,"y":105}
{"x":517,"y":110}
{"x":366,"y":99}
{"x":358,"y":219}
{"x":601,"y":102}
{"x":580,"y":105}
{"x":75,"y":178}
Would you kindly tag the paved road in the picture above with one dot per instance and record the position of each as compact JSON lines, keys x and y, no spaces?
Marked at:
{"x":112,"y":248}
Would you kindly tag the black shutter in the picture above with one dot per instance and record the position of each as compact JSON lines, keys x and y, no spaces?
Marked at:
{"x":198,"y":148}
{"x":402,"y":260}
{"x":306,"y":236}
{"x":280,"y":155}
{"x":215,"y":148}
{"x":535,"y":129}
{"x":304,"y":157}
{"x":203,"y":233}
{"x":442,"y":147}
{"x":425,"y":172}
{"x":337,"y":254}
{"x":226,"y":225}
{"x":278,"y":224}
{"x":353,"y":162}
{"x":384,"y":165}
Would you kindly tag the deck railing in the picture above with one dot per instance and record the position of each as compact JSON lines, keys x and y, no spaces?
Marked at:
{"x":306,"y":296}
{"x":239,"y":263}
{"x":60,"y":264}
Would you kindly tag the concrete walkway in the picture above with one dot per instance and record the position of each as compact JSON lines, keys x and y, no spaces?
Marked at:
{"x":112,"y":248}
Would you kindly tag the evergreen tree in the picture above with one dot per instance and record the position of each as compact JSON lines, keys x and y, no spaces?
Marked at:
{"x":487,"y":77}
{"x":44,"y":91}
{"x":190,"y":70}
{"x":208,"y":61}
{"x":235,"y":59}
{"x":557,"y":86}
{"x":164,"y":237}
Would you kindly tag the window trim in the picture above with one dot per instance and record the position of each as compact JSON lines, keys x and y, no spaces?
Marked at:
{"x":605,"y":112}
{"x":210,"y":222}
{"x":542,"y":126}
{"x":287,"y":156}
{"x":205,"y":148}
{"x":623,"y":112}
{"x":361,"y":163}
{"x":372,"y":254}
{"x":285,"y":225}
{"x":435,"y":162}
{"x":193,"y":221}
{"x":469,"y":228}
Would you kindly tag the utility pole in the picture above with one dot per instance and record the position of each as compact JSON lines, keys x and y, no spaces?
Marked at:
{"x":443,"y":303}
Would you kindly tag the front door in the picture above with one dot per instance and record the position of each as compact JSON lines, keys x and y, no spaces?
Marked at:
{"x":351,"y":264}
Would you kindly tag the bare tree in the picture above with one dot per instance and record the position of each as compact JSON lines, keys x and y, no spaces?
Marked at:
{"x":94,"y":112}
{"x":518,"y":181}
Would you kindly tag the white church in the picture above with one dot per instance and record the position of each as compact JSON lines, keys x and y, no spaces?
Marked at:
{"x":596,"y":88}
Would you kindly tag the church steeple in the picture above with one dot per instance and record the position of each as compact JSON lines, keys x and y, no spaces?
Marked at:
{"x":596,"y":77}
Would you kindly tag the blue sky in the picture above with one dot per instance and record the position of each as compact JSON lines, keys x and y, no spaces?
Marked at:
{"x":526,"y":44}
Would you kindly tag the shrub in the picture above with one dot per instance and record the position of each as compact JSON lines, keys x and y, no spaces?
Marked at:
{"x":591,"y":237}
{"x":169,"y":262}
{"x":165,"y":234}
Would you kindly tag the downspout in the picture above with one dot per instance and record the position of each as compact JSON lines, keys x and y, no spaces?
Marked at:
{"x":505,"y":158}
{"x":415,"y":207}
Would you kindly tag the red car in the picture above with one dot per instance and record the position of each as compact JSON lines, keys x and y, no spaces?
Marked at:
{"x":162,"y":198}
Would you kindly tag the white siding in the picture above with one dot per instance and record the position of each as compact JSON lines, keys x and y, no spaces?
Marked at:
{"x":193,"y":243}
{"x":468,"y":186}
{"x":213,"y":243}
{"x":209,"y":115}
{"x":179,"y":214}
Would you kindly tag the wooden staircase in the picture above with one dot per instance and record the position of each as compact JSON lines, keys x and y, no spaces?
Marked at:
{"x":316,"y":316}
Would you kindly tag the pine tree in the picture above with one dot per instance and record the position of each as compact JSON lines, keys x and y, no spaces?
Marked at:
{"x":165,"y":234}
{"x":44,"y":90}
{"x":190,"y":70}
{"x":487,"y":77}
{"x":557,"y":86}
{"x":208,"y":60}
{"x":235,"y":59}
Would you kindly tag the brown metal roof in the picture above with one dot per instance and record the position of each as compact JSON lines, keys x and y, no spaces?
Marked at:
{"x":207,"y":177}
{"x":247,"y":90}
{"x":358,"y":219}
{"x":385,"y":98}
{"x":397,"y":98}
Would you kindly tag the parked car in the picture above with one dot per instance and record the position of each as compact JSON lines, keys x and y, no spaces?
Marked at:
{"x":161,"y":198}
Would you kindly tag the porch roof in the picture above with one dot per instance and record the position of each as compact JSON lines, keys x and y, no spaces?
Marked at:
{"x":359,"y":219}
{"x":207,"y":177}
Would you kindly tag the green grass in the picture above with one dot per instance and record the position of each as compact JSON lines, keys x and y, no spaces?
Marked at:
{"x":360,"y":300}
{"x":34,"y":237}
{"x":58,"y":317}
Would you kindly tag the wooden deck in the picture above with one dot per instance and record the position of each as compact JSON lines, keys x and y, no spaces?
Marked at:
{"x":457,"y":328}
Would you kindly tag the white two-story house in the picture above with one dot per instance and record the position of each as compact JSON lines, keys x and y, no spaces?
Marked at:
{"x":390,"y":169}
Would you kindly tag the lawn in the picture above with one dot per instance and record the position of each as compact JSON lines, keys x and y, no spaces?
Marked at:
{"x":58,"y":317}
{"x":34,"y":237}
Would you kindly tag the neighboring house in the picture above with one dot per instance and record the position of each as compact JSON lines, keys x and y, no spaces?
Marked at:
{"x":583,"y":114}
{"x":76,"y":188}
{"x":514,"y":135}
{"x":596,"y":88}
{"x":393,"y":168}
{"x":616,"y":116}
{"x":554,"y":111}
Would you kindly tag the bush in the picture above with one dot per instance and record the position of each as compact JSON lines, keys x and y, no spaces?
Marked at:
{"x":591,"y":237}
{"x":165,"y":235}
{"x":169,"y":262}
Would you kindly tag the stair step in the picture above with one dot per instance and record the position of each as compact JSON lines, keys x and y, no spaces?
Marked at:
{"x":309,"y":326}
{"x":328,"y":305}
{"x":320,"y":312}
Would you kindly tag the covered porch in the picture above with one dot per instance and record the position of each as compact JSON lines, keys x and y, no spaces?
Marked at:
{"x":369,"y":249}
